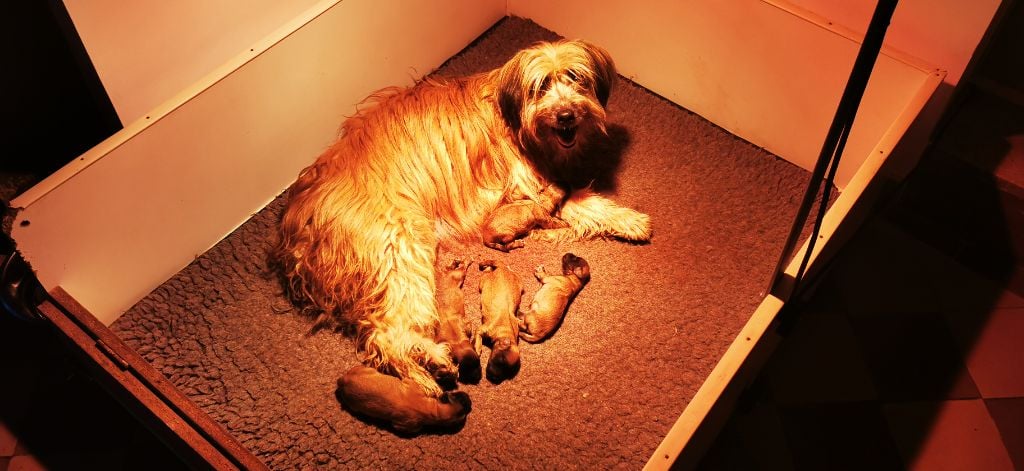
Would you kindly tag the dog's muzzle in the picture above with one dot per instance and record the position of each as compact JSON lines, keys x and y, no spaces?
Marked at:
{"x":565,"y":128}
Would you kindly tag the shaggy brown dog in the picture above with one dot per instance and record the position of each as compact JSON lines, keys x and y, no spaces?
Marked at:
{"x":401,"y":403}
{"x":427,"y":164}
{"x":504,"y":228}
{"x":453,"y":331}
{"x":552,"y":299}
{"x":500,"y":295}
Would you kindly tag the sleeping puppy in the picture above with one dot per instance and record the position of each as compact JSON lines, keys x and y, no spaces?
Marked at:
{"x":552,"y":299}
{"x":452,"y":331}
{"x":500,"y":294}
{"x":504,"y":228}
{"x":400,"y":402}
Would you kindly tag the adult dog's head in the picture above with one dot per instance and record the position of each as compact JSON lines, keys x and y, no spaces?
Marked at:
{"x":553,"y":95}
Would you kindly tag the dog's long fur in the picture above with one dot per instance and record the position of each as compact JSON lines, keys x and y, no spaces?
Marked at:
{"x":425,"y":164}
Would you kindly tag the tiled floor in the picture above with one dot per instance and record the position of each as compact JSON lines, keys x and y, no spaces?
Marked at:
{"x":52,"y":416}
{"x":909,"y":355}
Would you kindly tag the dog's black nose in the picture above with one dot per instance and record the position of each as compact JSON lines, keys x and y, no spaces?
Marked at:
{"x":566,"y":117}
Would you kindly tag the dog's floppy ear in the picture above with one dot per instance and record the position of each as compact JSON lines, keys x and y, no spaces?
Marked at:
{"x":604,"y":70}
{"x":510,"y":91}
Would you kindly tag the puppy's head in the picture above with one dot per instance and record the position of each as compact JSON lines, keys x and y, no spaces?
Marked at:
{"x":504,"y":362}
{"x":571,"y":264}
{"x":553,"y":95}
{"x":456,"y":271}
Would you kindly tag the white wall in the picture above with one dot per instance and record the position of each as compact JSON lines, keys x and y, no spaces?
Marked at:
{"x":147,"y":51}
{"x":256,"y":119}
{"x":137,"y":208}
{"x":752,"y":67}
{"x":940,"y":32}
{"x":945,"y":33}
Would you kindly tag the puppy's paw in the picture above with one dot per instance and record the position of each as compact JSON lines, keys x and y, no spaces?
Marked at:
{"x":459,"y":400}
{"x":553,"y":235}
{"x":515,"y":244}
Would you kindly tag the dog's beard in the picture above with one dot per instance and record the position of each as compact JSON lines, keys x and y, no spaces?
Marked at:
{"x":561,"y":140}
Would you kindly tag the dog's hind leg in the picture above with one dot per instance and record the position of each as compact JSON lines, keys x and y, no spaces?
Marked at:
{"x":590,"y":215}
{"x":401,"y":330}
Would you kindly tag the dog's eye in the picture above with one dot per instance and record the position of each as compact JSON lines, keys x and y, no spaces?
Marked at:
{"x":572,"y":76}
{"x":545,"y":85}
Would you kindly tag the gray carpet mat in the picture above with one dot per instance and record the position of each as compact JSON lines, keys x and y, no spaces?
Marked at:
{"x":601,"y":393}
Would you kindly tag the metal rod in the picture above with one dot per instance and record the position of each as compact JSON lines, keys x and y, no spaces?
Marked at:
{"x":835,"y":140}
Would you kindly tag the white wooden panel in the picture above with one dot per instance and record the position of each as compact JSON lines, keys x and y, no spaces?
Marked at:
{"x":147,"y":51}
{"x":753,"y":68}
{"x":942,"y":32}
{"x":140,"y":206}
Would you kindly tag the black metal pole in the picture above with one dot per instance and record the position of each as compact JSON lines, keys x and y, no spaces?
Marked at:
{"x":835,"y":140}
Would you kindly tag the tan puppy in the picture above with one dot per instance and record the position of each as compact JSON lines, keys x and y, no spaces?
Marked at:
{"x":500,"y":294}
{"x":552,"y":299}
{"x":400,"y":402}
{"x":505,"y":227}
{"x":453,"y":331}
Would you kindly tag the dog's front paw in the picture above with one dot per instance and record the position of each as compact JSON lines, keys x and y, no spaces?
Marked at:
{"x":632,"y":225}
{"x":446,"y":374}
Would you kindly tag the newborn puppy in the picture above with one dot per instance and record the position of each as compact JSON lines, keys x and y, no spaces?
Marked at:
{"x":505,"y":227}
{"x":552,"y":299}
{"x":451,"y":309}
{"x":500,"y":293}
{"x":401,"y":403}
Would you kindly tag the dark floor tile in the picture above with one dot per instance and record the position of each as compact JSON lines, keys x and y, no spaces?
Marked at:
{"x":1008,"y":415}
{"x":819,"y":361}
{"x":33,"y":463}
{"x":991,"y":261}
{"x":78,"y":461}
{"x":840,"y":436}
{"x":728,"y":452}
{"x":60,"y":417}
{"x":148,"y":453}
{"x":954,"y":206}
{"x":8,"y":441}
{"x":930,"y":231}
{"x":992,"y":244}
{"x":882,"y":271}
{"x":957,"y":434}
{"x":752,"y":439}
{"x":978,"y":130}
{"x":993,"y":351}
{"x":913,"y":357}
{"x":1016,"y":282}
{"x":965,"y":292}
{"x":73,"y":414}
